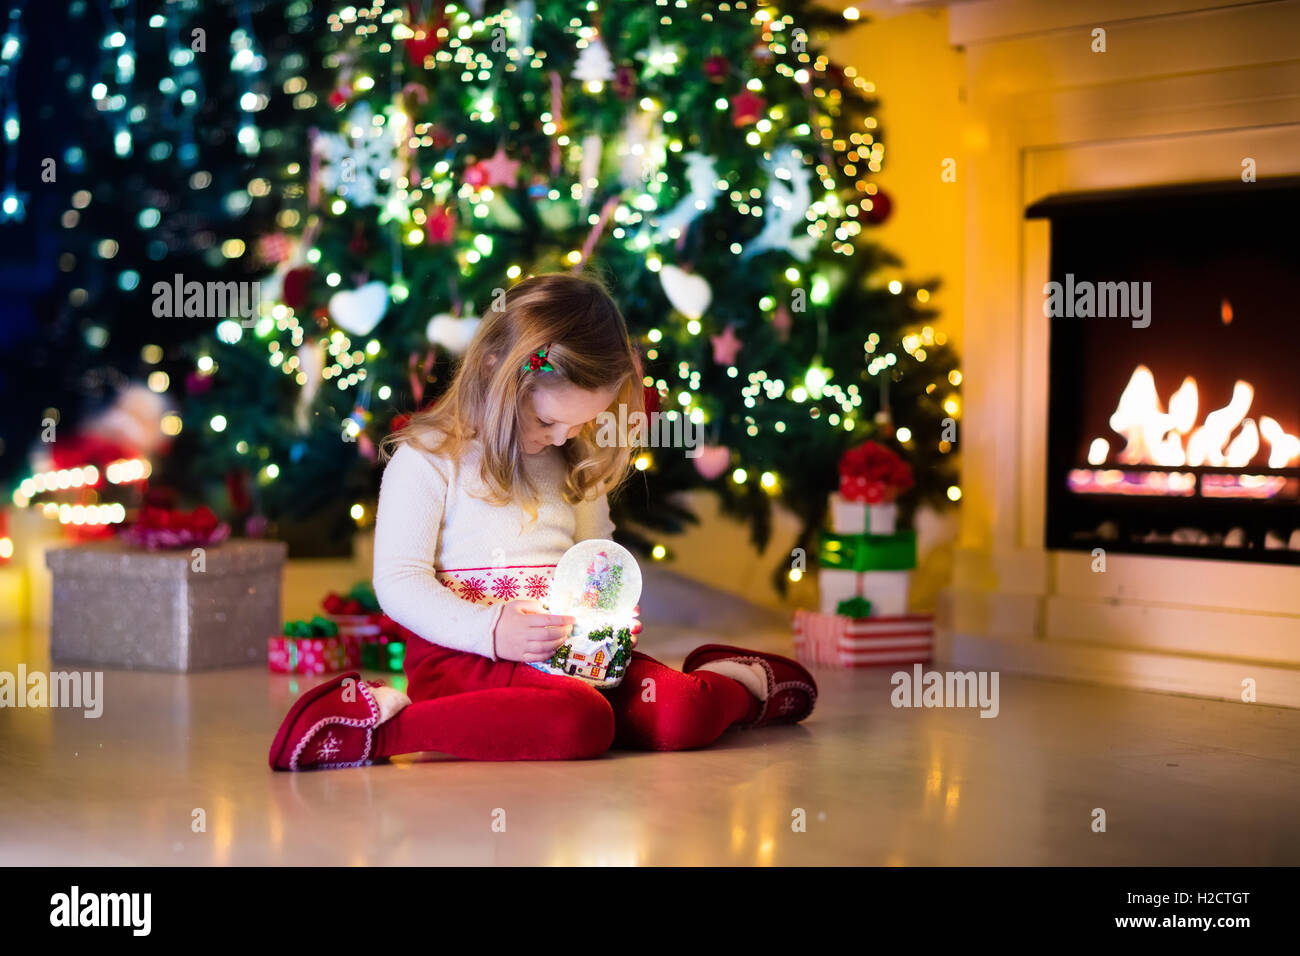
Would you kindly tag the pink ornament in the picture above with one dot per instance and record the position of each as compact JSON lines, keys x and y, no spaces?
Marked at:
{"x":712,"y":461}
{"x":781,"y":323}
{"x":274,"y":248}
{"x":501,"y":170}
{"x":725,"y":346}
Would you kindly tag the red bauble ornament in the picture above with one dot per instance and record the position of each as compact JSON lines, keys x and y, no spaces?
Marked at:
{"x":402,"y":419}
{"x":359,"y":245}
{"x":196,"y":384}
{"x":239,"y":490}
{"x":625,"y":82}
{"x":441,"y":137}
{"x":441,"y":225}
{"x":476,"y":175}
{"x":338,"y":99}
{"x":297,"y":284}
{"x":881,"y":207}
{"x":716,"y":68}
{"x":651,"y":399}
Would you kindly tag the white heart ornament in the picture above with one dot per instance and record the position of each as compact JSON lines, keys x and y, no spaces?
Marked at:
{"x":359,"y":311}
{"x":452,"y":333}
{"x":689,"y":294}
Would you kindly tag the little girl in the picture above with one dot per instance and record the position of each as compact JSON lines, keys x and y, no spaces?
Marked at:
{"x":482,"y":495}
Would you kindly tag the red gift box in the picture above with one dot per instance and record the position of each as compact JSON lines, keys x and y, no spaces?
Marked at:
{"x":840,"y":641}
{"x":312,"y":655}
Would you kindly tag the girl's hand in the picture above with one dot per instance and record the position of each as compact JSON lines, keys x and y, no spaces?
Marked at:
{"x":525,"y":632}
{"x":636,"y":627}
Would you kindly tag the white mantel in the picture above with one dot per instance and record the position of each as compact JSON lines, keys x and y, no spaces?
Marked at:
{"x":1184,"y":92}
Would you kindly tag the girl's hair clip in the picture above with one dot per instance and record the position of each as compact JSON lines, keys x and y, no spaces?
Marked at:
{"x":537,"y":361}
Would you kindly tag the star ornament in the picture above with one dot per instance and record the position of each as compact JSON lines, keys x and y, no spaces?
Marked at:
{"x":746,"y":108}
{"x":396,"y":208}
{"x":501,"y":170}
{"x":659,"y":58}
{"x":726,"y":346}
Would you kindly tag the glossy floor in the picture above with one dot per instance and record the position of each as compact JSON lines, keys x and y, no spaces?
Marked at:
{"x":1181,"y":781}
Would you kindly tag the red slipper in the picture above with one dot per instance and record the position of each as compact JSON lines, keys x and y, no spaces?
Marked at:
{"x":324,"y":728}
{"x":791,"y":689}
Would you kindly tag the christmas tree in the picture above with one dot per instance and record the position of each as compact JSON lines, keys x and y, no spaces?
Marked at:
{"x":704,"y":160}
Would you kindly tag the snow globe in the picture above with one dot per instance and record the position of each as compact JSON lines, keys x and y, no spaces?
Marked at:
{"x":598,"y":583}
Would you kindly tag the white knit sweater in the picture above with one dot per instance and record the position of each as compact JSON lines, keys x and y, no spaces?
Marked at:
{"x":429,"y":520}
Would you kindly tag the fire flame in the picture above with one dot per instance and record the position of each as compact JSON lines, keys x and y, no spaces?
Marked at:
{"x":1171,"y":439}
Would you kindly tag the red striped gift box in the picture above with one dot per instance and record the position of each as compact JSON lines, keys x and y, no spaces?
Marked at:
{"x":312,"y":655}
{"x":839,"y":641}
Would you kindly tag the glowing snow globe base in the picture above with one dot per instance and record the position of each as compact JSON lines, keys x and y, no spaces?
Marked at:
{"x":597,"y":582}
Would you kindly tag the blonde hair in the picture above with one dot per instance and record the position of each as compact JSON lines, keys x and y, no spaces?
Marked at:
{"x":589,"y":348}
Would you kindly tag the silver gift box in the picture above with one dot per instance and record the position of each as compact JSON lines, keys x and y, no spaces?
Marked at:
{"x":121,"y":606}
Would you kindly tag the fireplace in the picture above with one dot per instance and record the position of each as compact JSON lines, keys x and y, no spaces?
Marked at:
{"x":1174,"y":371}
{"x":1129,"y":164}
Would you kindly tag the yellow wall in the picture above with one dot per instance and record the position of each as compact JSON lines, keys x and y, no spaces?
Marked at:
{"x":918,"y":77}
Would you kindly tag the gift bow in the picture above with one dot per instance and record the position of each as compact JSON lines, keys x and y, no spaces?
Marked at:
{"x":854,"y":607}
{"x":874,"y":474}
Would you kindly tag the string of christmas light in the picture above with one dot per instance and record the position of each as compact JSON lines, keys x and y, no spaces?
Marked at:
{"x":248,"y":63}
{"x":118,"y":472}
{"x":13,"y":204}
{"x":183,"y":90}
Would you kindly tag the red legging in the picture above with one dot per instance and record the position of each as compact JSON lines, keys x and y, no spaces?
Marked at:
{"x":475,"y":708}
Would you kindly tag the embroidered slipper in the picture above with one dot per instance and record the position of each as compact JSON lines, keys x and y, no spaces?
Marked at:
{"x":325,"y":729}
{"x":791,"y":689}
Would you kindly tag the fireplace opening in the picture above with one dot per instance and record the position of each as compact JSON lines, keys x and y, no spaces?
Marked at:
{"x":1174,"y":379}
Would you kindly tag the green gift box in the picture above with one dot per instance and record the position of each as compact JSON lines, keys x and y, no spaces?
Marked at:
{"x":383,"y":655}
{"x":868,"y":552}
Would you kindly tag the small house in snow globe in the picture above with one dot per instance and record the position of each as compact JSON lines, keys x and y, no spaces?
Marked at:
{"x":598,"y":583}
